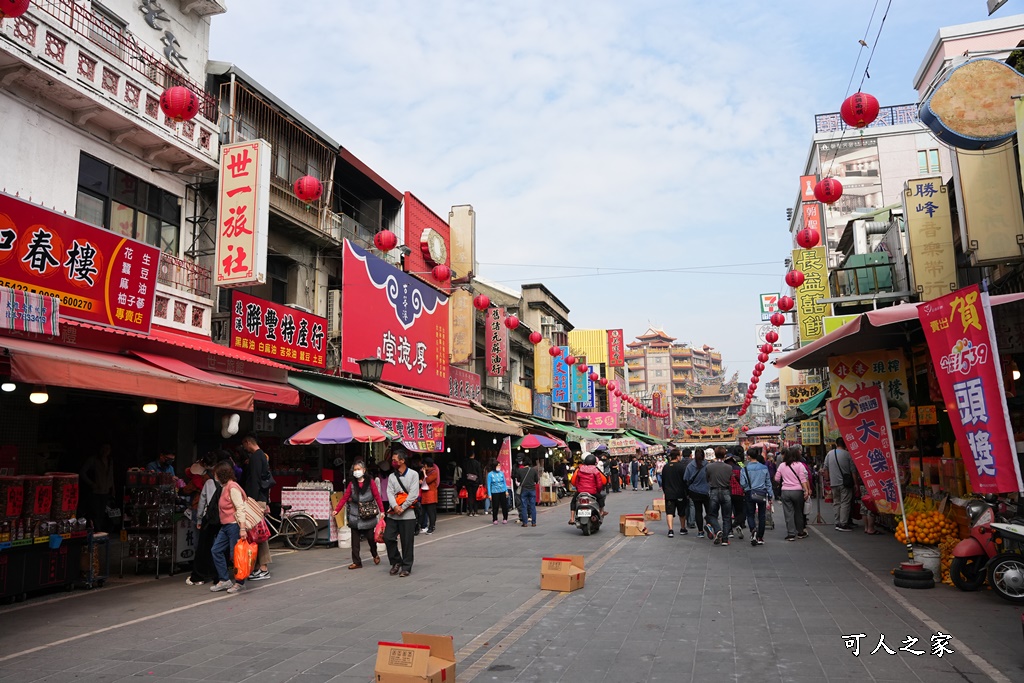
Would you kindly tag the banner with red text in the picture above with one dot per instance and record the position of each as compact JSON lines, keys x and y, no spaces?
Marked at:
{"x":961,"y":339}
{"x":464,"y":384}
{"x":421,"y":436}
{"x":497,"y":342}
{"x":616,"y":350}
{"x":264,"y":328}
{"x":243,"y":214}
{"x":862,"y":417}
{"x":505,"y":460}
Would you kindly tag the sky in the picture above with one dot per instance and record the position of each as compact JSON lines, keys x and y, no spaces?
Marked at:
{"x":636,"y":157}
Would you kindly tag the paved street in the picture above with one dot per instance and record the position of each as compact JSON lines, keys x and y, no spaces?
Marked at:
{"x":653,"y":609}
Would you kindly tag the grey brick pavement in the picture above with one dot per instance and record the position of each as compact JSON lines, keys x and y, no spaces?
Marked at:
{"x":654,"y":609}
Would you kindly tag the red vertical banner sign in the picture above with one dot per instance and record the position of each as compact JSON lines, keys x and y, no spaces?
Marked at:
{"x":497,"y":343}
{"x":862,"y":417}
{"x":505,"y":460}
{"x":962,"y":342}
{"x":616,"y":353}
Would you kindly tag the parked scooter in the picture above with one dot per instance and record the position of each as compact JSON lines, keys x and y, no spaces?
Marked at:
{"x":560,"y":488}
{"x":588,"y":513}
{"x":972,"y":556}
{"x":1005,"y":571}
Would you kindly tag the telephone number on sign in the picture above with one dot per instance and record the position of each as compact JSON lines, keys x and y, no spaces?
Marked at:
{"x":76,"y":303}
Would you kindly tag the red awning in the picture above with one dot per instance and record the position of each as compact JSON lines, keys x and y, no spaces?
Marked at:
{"x":64,"y":366}
{"x":265,"y":392}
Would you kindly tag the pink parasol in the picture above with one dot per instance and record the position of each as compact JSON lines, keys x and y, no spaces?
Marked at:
{"x":337,"y":430}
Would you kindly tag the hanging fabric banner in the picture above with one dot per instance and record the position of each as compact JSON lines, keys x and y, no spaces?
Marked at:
{"x":497,"y":343}
{"x":560,"y":383}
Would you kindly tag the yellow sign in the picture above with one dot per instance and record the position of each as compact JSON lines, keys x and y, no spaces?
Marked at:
{"x":834,"y":322}
{"x":462,"y":320}
{"x":930,"y":232}
{"x":522,"y":399}
{"x":462,"y":224}
{"x":887,"y":368}
{"x":991,"y":201}
{"x":798,"y":393}
{"x":925,"y":415}
{"x":810,"y":314}
{"x":590,"y":343}
{"x":810,"y":432}
{"x":543,"y":377}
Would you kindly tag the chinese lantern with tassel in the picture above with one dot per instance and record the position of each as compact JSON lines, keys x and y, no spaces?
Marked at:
{"x":808,"y":238}
{"x":511,"y":322}
{"x":308,"y":189}
{"x":481,"y":302}
{"x":385,"y":240}
{"x":536,"y":338}
{"x":859,"y":110}
{"x":555,"y":351}
{"x":828,"y":190}
{"x":786,"y":303}
{"x":441,"y":273}
{"x":177,"y":103}
{"x":795,"y":278}
{"x":778,"y":319}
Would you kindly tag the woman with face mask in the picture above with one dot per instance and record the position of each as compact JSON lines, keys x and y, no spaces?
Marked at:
{"x":364,"y":507}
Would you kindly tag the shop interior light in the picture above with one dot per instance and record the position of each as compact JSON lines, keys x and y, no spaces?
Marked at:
{"x":272,"y":416}
{"x":149,"y":407}
{"x":449,"y":449}
{"x":320,"y":416}
{"x":495,"y":442}
{"x":1013,"y":368}
{"x":472,"y":442}
{"x":8,"y":387}
{"x":39,"y":396}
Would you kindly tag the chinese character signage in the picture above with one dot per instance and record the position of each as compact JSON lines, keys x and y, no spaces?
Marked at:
{"x":464,"y":384}
{"x":27,"y":312}
{"x":656,"y":401}
{"x":243,"y":214}
{"x":505,"y":459}
{"x":769,"y":304}
{"x":96,"y":275}
{"x":600,"y":421}
{"x":616,"y":351}
{"x":959,"y":331}
{"x":542,"y":405}
{"x":560,"y":378}
{"x":798,"y":393}
{"x":591,"y":401}
{"x":810,"y":432}
{"x":522,"y":399}
{"x":614,"y":402}
{"x":809,"y":313}
{"x":887,"y":369}
{"x":463,"y":324}
{"x":542,"y":365}
{"x":812,"y":216}
{"x":497,"y":342}
{"x":762,"y":336}
{"x":862,"y":417}
{"x":263,"y":328}
{"x":580,"y":381}
{"x":393,"y":316}
{"x":422,"y":436}
{"x":930,"y":232}
{"x":989,"y":192}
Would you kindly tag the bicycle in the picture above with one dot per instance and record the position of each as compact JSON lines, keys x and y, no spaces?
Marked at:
{"x":298,"y":529}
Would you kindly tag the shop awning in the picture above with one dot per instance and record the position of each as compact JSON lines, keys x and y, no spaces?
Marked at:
{"x":264,"y":392}
{"x":576,"y":433}
{"x":647,"y":438}
{"x":65,"y":366}
{"x":767,"y":430}
{"x":356,"y":398}
{"x":457,"y":416}
{"x":811,"y":405}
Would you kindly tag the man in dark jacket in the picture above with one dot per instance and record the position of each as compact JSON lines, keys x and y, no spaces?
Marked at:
{"x":257,"y":482}
{"x":473,"y":474}
{"x":674,"y":486}
{"x":527,"y":477}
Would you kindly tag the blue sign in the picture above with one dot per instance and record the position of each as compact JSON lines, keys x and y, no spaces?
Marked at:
{"x":591,"y":401}
{"x":580,"y":380}
{"x":542,"y":406}
{"x":560,"y":380}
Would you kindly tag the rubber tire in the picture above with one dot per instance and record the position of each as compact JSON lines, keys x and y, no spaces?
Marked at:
{"x":585,"y":529}
{"x":990,"y":572}
{"x":959,"y":566}
{"x":923,"y":575}
{"x":903,"y":583}
{"x":307,"y":532}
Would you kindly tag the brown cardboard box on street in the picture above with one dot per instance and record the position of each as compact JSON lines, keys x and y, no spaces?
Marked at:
{"x":562,"y":573}
{"x":651,"y":515}
{"x":419,"y":657}
{"x":632,"y":525}
{"x":659,"y":504}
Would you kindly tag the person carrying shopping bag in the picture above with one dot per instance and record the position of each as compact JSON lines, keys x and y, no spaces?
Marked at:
{"x":231,"y":507}
{"x":363,"y":507}
{"x":497,"y":492}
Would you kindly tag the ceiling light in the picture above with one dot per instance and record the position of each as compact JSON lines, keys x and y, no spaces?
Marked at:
{"x":272,"y":416}
{"x":149,"y":407}
{"x":320,"y":416}
{"x":8,"y":387}
{"x":39,"y":396}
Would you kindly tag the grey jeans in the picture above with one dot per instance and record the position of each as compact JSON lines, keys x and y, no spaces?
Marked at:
{"x":842,"y":500}
{"x":793,"y":506}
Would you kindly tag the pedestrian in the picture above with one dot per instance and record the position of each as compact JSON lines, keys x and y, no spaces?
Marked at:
{"x":97,"y":477}
{"x":207,"y":521}
{"x":796,"y":489}
{"x":757,"y":485}
{"x":497,"y":493}
{"x":403,"y":492}
{"x":659,"y":467}
{"x":428,"y":495}
{"x":614,"y":474}
{"x":739,"y":511}
{"x":634,"y":470}
{"x":474,"y":475}
{"x":645,"y":475}
{"x":164,"y":463}
{"x":719,"y":476}
{"x":527,"y":477}
{"x":697,"y":489}
{"x":674,"y":486}
{"x":231,"y":510}
{"x":840,"y":477}
{"x":458,"y":479}
{"x":623,"y":473}
{"x":363,"y":508}
{"x":257,"y":482}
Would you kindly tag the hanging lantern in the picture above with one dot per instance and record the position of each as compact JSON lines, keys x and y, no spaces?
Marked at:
{"x":12,"y":9}
{"x":308,"y":189}
{"x":675,"y":432}
{"x":808,"y":238}
{"x":441,"y":273}
{"x":795,"y":278}
{"x":771,"y":336}
{"x":603,"y":381}
{"x":536,"y":338}
{"x":759,"y":367}
{"x":613,"y":385}
{"x":731,"y":430}
{"x":718,"y":430}
{"x":385,"y":241}
{"x":786,"y":303}
{"x":778,"y":319}
{"x":481,"y":302}
{"x":744,"y":427}
{"x":688,"y":432}
{"x":582,"y":368}
{"x":859,"y":110}
{"x":594,"y":377}
{"x":762,"y":357}
{"x":618,"y":393}
{"x":753,"y":385}
{"x":555,"y":351}
{"x":757,"y":373}
{"x":767,"y":348}
{"x":177,"y":103}
{"x":703,"y":430}
{"x":511,"y":322}
{"x":570,"y":360}
{"x":828,"y":190}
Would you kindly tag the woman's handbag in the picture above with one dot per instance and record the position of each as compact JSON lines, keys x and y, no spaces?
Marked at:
{"x":259,"y":533}
{"x":378,"y":531}
{"x":252,"y":512}
{"x":368,"y":509}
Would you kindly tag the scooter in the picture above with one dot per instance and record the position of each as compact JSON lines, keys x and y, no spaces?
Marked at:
{"x":560,"y":489}
{"x":972,"y":555}
{"x":588,"y":514}
{"x":1005,"y":571}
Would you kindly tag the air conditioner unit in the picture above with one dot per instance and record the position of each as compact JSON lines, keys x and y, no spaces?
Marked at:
{"x":547,"y":320}
{"x":559,"y":327}
{"x":334,"y":312}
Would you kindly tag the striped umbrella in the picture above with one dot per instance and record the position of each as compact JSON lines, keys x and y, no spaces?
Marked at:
{"x":538,"y":441}
{"x":338,"y":430}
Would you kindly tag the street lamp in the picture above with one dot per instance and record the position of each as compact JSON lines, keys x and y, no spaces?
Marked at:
{"x":584,"y":421}
{"x":371,"y":369}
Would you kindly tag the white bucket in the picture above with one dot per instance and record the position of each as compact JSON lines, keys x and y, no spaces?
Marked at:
{"x":929,"y":557}
{"x":344,"y":537}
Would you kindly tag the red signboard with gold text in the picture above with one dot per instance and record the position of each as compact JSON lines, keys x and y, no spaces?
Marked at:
{"x":616,"y":352}
{"x":263,"y":328}
{"x":98,"y":276}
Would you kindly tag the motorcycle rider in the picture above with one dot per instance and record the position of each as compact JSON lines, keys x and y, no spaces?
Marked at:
{"x":588,"y":479}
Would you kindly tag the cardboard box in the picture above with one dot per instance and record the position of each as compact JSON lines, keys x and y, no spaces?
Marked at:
{"x":548,"y":497}
{"x":563,"y":573}
{"x":659,"y":504}
{"x":419,"y":657}
{"x":651,"y":515}
{"x":632,"y":525}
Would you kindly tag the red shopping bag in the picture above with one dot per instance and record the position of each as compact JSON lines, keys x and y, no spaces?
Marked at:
{"x":378,"y":531}
{"x":481,"y":493}
{"x":245,"y":558}
{"x":463,"y":493}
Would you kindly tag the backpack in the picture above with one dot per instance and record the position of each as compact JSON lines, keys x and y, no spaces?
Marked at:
{"x":212,"y":513}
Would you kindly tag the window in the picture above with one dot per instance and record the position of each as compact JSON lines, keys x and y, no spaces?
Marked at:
{"x":118,"y":201}
{"x":928,"y":161}
{"x":277,"y":274}
{"x":107,"y":30}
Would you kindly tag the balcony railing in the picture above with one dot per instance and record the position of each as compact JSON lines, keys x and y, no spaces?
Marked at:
{"x":887,"y":116}
{"x":184,"y":275}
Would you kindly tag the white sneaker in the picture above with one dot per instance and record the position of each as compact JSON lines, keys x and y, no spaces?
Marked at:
{"x":236,"y":588}
{"x":220,"y":586}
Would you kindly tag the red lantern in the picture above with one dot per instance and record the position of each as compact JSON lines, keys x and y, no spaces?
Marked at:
{"x":441,"y":273}
{"x":757,"y":373}
{"x":177,"y":103}
{"x":536,"y":338}
{"x":731,"y":430}
{"x":618,"y":393}
{"x":675,"y":432}
{"x":859,"y":110}
{"x":767,"y":348}
{"x":481,"y":302}
{"x":772,"y":336}
{"x":308,"y":189}
{"x":555,"y":351}
{"x":717,"y":430}
{"x":828,"y":190}
{"x":795,"y":278}
{"x":778,"y":319}
{"x":582,"y":368}
{"x":689,"y":432}
{"x":570,"y":360}
{"x":385,"y":241}
{"x":594,"y":377}
{"x":808,"y":238}
{"x":762,"y":357}
{"x":786,"y":303}
{"x":511,"y":322}
{"x":613,"y":385}
{"x":744,"y":427}
{"x":11,"y":9}
{"x":603,"y":381}
{"x":703,"y":430}
{"x":753,"y":386}
{"x":759,"y":367}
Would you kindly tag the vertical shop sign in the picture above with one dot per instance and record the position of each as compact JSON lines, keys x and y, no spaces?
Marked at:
{"x":810,"y":433}
{"x":542,"y":405}
{"x":522,"y":399}
{"x":591,"y":401}
{"x":810,"y":313}
{"x":579,"y":381}
{"x":656,"y":401}
{"x":497,"y":342}
{"x":616,"y":352}
{"x":505,"y":460}
{"x":812,"y":216}
{"x":930,"y":233}
{"x":862,"y":417}
{"x":542,"y":366}
{"x":243,"y":214}
{"x":769,"y":305}
{"x":961,"y":339}
{"x":464,"y":384}
{"x":886,"y":368}
{"x":263,"y":328}
{"x":560,"y":387}
{"x":992,"y":222}
{"x":463,"y":325}
{"x":807,"y":183}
